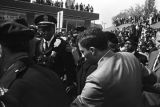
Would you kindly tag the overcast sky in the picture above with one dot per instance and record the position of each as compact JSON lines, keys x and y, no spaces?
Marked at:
{"x":109,"y":8}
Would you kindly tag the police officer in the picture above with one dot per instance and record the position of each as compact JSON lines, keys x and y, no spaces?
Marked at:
{"x":46,"y":29}
{"x":22,"y":82}
{"x":54,"y":49}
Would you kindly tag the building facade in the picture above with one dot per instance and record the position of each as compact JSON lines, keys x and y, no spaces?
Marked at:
{"x":10,"y":9}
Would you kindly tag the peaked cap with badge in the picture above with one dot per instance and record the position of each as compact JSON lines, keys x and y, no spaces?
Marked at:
{"x":43,"y":20}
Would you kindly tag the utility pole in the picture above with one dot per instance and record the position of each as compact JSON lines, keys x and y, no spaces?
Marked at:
{"x":103,"y":24}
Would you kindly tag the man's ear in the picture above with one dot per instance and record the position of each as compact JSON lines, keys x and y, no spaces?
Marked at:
{"x":92,"y":50}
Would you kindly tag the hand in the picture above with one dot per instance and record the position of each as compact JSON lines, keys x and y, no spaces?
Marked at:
{"x":70,"y":88}
{"x":157,"y":85}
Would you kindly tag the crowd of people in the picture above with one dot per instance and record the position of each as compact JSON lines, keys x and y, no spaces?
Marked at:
{"x":154,"y":17}
{"x":61,"y":4}
{"x":85,"y":68}
{"x":83,"y":7}
{"x":141,"y":35}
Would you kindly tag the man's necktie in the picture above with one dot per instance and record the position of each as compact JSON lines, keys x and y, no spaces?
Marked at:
{"x":44,"y":45}
{"x":157,"y":61}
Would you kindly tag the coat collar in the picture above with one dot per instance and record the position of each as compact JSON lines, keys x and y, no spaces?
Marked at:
{"x":106,"y":56}
{"x":12,"y":59}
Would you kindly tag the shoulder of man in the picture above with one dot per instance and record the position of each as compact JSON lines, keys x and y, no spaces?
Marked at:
{"x":15,"y":71}
{"x":153,"y":54}
{"x":44,"y":71}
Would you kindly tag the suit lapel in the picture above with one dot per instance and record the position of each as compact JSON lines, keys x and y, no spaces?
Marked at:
{"x":157,"y":67}
{"x":155,"y":56}
{"x":152,"y":59}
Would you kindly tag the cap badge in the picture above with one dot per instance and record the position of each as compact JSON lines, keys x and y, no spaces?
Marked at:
{"x":45,"y":18}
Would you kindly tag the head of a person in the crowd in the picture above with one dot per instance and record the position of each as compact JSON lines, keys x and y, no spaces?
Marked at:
{"x":46,"y":25}
{"x":80,"y":29}
{"x":130,"y":46}
{"x":127,"y":46}
{"x":143,"y":49}
{"x":15,"y":37}
{"x":93,"y":44}
{"x":157,"y":40}
{"x":112,"y":41}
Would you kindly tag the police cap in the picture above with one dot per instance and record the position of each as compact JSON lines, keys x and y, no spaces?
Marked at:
{"x":45,"y":20}
{"x":80,"y":28}
{"x":13,"y":31}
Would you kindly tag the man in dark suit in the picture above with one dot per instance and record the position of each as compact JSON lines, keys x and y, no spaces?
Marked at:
{"x":84,"y":69}
{"x":22,"y":82}
{"x":154,"y":65}
{"x":131,"y":46}
{"x":54,"y":49}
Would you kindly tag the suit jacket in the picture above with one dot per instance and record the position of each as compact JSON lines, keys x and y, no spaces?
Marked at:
{"x":62,"y":62}
{"x":142,"y":58}
{"x":84,"y":70}
{"x":152,"y":98}
{"x":117,"y":82}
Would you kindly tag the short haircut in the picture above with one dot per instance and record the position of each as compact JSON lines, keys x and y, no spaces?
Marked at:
{"x":111,"y":37}
{"x":93,"y":38}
